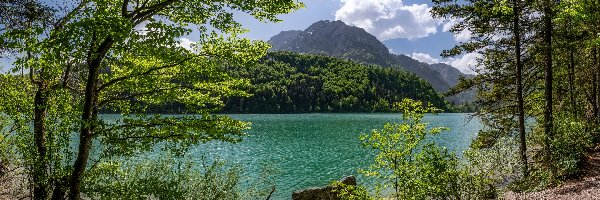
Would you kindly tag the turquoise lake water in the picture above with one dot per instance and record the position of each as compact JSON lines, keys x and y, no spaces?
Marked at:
{"x":311,"y":150}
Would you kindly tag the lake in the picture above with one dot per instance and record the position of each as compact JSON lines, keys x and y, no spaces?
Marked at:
{"x":311,"y":150}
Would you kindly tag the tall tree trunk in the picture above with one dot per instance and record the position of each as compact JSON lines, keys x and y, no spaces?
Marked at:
{"x":594,"y":85}
{"x":596,"y":89}
{"x":548,"y":121}
{"x":88,"y":118}
{"x":571,"y":70}
{"x":520,"y":101}
{"x":40,"y":178}
{"x":572,"y":81}
{"x":85,"y":137}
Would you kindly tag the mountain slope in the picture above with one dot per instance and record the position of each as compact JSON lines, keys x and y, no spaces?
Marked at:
{"x":335,"y":38}
{"x":287,"y":82}
{"x":449,"y":73}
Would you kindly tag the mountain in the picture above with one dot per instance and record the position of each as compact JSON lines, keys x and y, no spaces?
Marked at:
{"x":449,"y":73}
{"x":335,"y":38}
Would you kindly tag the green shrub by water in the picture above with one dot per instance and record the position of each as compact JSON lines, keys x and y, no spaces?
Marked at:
{"x":169,"y":178}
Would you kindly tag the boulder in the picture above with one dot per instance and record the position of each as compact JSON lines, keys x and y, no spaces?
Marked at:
{"x":322,"y":193}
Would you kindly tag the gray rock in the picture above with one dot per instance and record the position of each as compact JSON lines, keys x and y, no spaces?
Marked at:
{"x":322,"y":193}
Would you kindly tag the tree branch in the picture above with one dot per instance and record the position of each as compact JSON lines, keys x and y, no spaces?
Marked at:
{"x":149,"y":137}
{"x":147,"y":72}
{"x":61,"y":23}
{"x":124,"y":9}
{"x":119,"y":98}
{"x":143,"y":12}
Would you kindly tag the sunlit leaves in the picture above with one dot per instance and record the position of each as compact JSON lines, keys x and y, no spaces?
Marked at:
{"x":144,"y":132}
{"x":405,"y":161}
{"x":64,"y":49}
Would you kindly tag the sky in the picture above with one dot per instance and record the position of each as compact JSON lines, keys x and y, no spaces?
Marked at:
{"x":404,"y":26}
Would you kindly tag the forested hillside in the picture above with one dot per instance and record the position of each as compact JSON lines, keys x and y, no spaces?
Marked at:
{"x":335,"y":38}
{"x":286,"y":82}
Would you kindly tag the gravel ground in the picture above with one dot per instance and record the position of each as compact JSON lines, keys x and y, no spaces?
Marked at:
{"x":12,"y":184}
{"x":587,"y":187}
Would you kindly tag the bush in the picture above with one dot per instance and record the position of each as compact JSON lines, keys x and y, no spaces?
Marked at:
{"x":572,"y":140}
{"x":405,"y":161}
{"x":163,"y":178}
{"x":350,"y":192}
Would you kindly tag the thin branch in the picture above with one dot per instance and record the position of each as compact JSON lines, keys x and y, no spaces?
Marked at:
{"x":31,"y":77}
{"x":61,"y":23}
{"x":124,"y":8}
{"x":119,"y":98}
{"x":144,"y":12}
{"x":67,"y":74}
{"x":147,"y":72}
{"x":149,"y":137}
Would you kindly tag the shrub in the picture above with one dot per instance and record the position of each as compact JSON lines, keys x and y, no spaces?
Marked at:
{"x":163,"y":178}
{"x":413,"y":167}
{"x":350,"y":192}
{"x":570,"y":145}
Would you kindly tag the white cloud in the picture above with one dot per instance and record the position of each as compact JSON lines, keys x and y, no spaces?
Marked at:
{"x":389,"y":19}
{"x":466,"y":64}
{"x":463,"y":36}
{"x":423,"y":57}
{"x":187,"y":44}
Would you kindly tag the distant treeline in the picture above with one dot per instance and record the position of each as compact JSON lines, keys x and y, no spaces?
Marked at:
{"x":286,"y":82}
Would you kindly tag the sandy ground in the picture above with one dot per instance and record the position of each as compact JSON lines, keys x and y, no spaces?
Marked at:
{"x":587,"y":187}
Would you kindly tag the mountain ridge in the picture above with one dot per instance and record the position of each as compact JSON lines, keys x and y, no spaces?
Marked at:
{"x":335,"y":38}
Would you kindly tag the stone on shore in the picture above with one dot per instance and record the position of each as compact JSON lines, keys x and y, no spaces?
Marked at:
{"x":322,"y":193}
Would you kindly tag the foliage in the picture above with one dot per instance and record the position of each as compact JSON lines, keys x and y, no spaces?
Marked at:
{"x":350,"y":192}
{"x":560,"y":79}
{"x":414,"y":167}
{"x":487,"y":170}
{"x":118,"y":55}
{"x":571,"y":145}
{"x":574,"y":138}
{"x":163,"y":178}
{"x":286,"y":82}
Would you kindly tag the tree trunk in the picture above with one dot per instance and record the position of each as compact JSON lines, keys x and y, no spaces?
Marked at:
{"x":40,"y":179}
{"x":88,"y":118}
{"x":594,"y":85}
{"x":595,"y":89}
{"x":572,"y":75}
{"x":85,"y":137}
{"x":548,"y":132}
{"x":59,"y":188}
{"x":572,"y":81}
{"x":520,"y":101}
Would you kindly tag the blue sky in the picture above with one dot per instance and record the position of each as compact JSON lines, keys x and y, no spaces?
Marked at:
{"x":404,"y":26}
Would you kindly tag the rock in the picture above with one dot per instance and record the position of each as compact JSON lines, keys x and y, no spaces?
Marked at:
{"x":322,"y":193}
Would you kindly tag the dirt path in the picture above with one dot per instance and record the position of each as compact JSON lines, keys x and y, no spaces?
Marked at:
{"x":587,"y":187}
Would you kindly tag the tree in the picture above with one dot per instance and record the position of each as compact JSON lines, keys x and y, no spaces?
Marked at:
{"x":124,"y":56}
{"x":501,"y":31}
{"x":414,"y":167}
{"x":526,"y":46}
{"x":516,"y":29}
{"x":548,"y":16}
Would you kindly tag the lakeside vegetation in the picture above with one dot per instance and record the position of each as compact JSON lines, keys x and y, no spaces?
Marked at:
{"x":72,"y":64}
